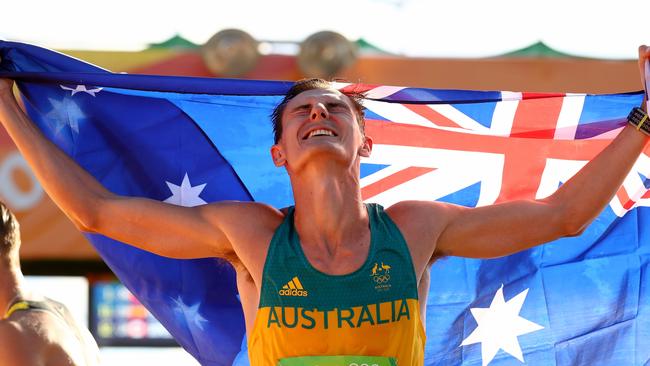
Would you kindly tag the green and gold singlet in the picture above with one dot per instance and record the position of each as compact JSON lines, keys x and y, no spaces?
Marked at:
{"x":308,"y":318}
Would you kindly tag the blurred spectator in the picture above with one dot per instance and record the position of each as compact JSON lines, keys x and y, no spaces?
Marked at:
{"x":35,"y":330}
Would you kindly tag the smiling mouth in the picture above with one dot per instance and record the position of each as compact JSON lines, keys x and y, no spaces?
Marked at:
{"x":319,"y":132}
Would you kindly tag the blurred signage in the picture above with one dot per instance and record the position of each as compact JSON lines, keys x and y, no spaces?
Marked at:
{"x":18,"y":185}
{"x":46,"y":232}
{"x":117,"y":318}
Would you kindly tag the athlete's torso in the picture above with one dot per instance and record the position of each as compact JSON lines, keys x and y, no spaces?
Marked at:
{"x":373,"y":311}
{"x":50,"y":334}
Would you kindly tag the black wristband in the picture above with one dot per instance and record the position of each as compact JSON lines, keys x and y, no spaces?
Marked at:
{"x":639,"y":119}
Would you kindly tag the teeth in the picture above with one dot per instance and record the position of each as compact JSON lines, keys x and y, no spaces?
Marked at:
{"x":320,"y":133}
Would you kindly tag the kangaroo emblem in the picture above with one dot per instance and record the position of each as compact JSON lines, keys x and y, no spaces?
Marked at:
{"x":376,"y":269}
{"x":380,"y":276}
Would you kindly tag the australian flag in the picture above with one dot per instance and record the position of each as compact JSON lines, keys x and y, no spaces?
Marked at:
{"x":189,"y":141}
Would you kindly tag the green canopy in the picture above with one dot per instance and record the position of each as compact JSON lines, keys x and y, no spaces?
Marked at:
{"x":366,"y":47}
{"x":538,"y":50}
{"x":176,"y":42}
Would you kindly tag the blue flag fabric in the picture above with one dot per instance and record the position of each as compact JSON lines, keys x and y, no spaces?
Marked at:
{"x":189,"y":141}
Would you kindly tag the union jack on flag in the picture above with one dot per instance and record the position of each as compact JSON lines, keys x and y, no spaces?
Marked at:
{"x":576,"y":301}
{"x":518,"y":146}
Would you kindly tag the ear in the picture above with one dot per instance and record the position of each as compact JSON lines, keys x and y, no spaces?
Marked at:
{"x":366,"y":148}
{"x":278,"y":155}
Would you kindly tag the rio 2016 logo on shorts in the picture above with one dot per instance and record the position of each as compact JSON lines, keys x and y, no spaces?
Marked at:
{"x":380,"y":276}
{"x":293,"y":288}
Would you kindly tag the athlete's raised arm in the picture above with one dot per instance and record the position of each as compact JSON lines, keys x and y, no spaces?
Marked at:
{"x":161,"y":228}
{"x":503,"y":229}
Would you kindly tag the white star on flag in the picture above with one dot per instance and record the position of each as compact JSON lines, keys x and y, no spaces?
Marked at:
{"x":185,"y":194}
{"x":81,"y":89}
{"x":65,"y":113}
{"x":499,"y":325}
{"x":190,"y":313}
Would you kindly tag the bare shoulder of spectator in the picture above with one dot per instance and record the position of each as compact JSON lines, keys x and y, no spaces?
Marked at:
{"x":15,"y":349}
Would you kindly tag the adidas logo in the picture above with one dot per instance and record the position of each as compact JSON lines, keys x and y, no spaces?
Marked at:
{"x":293,"y":288}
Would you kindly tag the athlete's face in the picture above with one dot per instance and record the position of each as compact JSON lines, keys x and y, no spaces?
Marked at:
{"x":320,"y":123}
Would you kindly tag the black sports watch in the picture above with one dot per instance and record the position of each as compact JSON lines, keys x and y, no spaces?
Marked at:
{"x":639,"y":119}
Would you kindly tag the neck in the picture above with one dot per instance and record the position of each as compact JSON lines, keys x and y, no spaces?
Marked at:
{"x":329,"y":207}
{"x":12,"y":286}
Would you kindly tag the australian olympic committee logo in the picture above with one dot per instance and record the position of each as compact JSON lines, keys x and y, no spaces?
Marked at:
{"x":380,"y":275}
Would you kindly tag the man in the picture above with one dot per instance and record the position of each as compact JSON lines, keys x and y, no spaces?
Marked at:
{"x":331,"y":281}
{"x":35,"y":330}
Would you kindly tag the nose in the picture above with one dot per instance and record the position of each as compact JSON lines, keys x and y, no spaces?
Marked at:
{"x":318,"y":111}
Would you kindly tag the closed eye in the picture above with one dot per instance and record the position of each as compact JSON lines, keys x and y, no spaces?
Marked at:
{"x":301,"y":109}
{"x":336,"y":106}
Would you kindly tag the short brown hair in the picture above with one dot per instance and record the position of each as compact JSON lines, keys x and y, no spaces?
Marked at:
{"x":9,"y":231}
{"x":310,"y":84}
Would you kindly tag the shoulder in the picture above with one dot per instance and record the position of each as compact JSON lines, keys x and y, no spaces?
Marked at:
{"x":421,"y":224}
{"x":249,"y":227}
{"x":234,"y":216}
{"x":14,"y":341}
{"x":9,"y":331}
{"x":12,"y":330}
{"x":416,"y":214}
{"x":419,"y":218}
{"x":240,"y":209}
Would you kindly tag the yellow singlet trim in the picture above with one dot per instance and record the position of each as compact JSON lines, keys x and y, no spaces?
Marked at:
{"x":21,"y":305}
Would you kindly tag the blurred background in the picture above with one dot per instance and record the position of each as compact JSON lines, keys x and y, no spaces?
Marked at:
{"x":550,"y":46}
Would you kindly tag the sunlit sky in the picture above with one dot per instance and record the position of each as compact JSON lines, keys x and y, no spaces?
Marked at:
{"x":451,"y":28}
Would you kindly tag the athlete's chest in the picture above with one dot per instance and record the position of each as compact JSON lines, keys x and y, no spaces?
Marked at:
{"x":291,"y":280}
{"x":337,"y":261}
{"x":297,"y":296}
{"x":300,"y":288}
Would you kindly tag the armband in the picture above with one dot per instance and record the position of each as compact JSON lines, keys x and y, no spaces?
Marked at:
{"x":639,"y":119}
